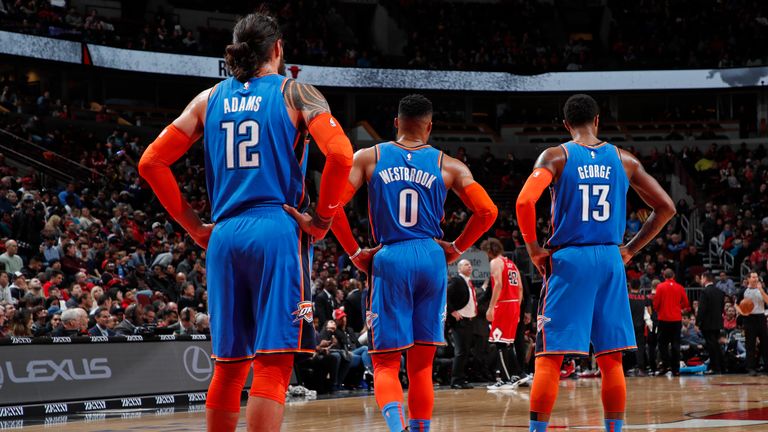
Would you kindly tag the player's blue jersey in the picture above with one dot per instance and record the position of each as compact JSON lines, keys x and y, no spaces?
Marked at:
{"x":254,"y":155}
{"x":406,"y":193}
{"x":589,"y":198}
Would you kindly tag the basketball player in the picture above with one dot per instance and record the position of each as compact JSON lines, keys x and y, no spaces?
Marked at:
{"x":503,"y":312}
{"x":584,"y":298}
{"x":254,"y":125}
{"x":407,"y":184}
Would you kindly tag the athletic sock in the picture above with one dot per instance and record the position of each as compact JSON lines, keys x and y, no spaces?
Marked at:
{"x":393,"y":415}
{"x":415,"y":425}
{"x":538,"y":426}
{"x":613,"y":425}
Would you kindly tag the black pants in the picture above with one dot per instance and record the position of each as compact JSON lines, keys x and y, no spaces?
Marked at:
{"x":669,"y":344}
{"x":520,"y":346}
{"x":640,"y":342}
{"x":507,"y":361}
{"x":716,"y":358}
{"x":461,"y":336}
{"x":755,"y":328}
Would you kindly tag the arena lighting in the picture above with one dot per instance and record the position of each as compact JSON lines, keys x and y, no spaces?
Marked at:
{"x":214,"y":67}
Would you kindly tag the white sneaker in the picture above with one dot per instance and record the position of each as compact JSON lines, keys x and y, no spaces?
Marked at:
{"x":524,"y":381}
{"x":498,"y":385}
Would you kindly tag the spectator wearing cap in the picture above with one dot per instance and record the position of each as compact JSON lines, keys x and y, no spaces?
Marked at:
{"x":350,"y":340}
{"x":13,"y":262}
{"x":102,"y":324}
{"x":18,"y":286}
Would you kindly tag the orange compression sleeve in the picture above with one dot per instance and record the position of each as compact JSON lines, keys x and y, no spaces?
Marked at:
{"x":537,"y":182}
{"x":337,"y":149}
{"x":484,"y":213}
{"x":155,"y":168}
{"x":343,"y":233}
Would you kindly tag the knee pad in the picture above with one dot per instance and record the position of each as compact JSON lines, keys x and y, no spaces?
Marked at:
{"x":271,"y":375}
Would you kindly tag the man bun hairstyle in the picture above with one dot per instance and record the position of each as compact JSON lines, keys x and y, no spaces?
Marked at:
{"x":414,"y":106}
{"x":252,"y":40}
{"x":580,"y":109}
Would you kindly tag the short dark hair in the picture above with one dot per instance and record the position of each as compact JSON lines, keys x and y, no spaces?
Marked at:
{"x":634,"y":284}
{"x":252,"y":38}
{"x":580,"y":109}
{"x":414,"y":106}
{"x":669,"y":273}
{"x":708,"y":276}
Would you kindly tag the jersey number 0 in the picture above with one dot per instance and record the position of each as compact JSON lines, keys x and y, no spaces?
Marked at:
{"x":245,"y":140}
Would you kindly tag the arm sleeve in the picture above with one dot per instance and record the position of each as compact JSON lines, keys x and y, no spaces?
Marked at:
{"x":343,"y":232}
{"x":537,"y":182}
{"x":484,"y":213}
{"x":155,"y":168}
{"x":337,"y":149}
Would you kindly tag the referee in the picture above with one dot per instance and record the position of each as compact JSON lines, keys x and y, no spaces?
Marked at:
{"x":755,"y":324}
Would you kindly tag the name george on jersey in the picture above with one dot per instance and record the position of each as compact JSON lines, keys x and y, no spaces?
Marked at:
{"x":594,"y":171}
{"x":412,"y":175}
{"x":240,"y":104}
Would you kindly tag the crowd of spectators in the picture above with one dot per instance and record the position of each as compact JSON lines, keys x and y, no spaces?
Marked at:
{"x":516,"y":36}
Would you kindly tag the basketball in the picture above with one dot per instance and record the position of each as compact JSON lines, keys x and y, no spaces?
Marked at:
{"x":746,"y":306}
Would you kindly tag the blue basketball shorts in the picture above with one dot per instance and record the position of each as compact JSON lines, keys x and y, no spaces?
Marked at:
{"x":407,"y":296}
{"x":585,"y":299}
{"x":259,"y":295}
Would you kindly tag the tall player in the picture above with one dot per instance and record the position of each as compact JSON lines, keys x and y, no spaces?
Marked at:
{"x":407,"y":185}
{"x":258,"y":257}
{"x":585,"y":296}
{"x":504,"y":312}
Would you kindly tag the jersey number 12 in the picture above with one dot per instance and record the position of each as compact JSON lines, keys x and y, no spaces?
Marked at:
{"x":245,"y":140}
{"x":601,"y":214}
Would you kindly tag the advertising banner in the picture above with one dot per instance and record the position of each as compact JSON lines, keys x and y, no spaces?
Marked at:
{"x":214,"y":67}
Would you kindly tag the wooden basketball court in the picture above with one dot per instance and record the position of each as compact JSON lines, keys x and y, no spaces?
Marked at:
{"x":694,"y":403}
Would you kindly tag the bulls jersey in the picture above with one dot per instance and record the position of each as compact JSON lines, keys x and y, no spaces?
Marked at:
{"x":510,"y":281}
{"x":589,"y":198}
{"x":406,"y":193}
{"x":254,"y":155}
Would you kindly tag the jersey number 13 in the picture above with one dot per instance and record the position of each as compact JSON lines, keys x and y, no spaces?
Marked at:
{"x":602,"y":212}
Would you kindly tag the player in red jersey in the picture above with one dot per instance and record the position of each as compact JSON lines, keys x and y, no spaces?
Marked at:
{"x":504,"y":312}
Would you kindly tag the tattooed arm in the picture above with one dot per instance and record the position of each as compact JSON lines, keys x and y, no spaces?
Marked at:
{"x":311,"y":112}
{"x":305,"y":101}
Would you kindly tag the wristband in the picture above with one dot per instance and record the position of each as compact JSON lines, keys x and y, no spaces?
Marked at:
{"x":453,"y":245}
{"x":357,"y":252}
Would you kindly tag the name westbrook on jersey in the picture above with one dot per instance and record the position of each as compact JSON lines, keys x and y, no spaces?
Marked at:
{"x":412,"y":175}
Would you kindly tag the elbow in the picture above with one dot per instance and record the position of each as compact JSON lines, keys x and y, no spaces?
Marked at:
{"x":488,"y":215}
{"x":340,"y":156}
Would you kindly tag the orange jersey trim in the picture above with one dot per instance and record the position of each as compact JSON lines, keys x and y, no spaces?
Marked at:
{"x":389,"y":350}
{"x":610,"y":351}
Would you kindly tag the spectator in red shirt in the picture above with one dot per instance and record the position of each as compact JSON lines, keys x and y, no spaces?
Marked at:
{"x":669,"y":302}
{"x":759,"y":257}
